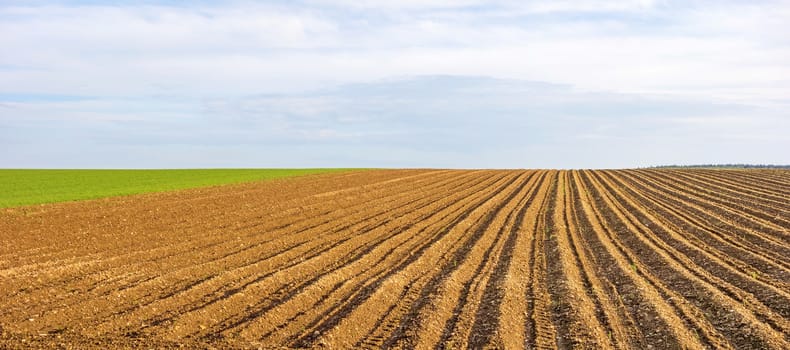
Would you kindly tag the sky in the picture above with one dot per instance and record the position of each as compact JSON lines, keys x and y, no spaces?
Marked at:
{"x":410,"y":83}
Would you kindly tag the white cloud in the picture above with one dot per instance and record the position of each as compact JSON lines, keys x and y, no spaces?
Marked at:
{"x":625,"y":46}
{"x":438,"y":121}
{"x":541,"y":6}
{"x":167,"y":63}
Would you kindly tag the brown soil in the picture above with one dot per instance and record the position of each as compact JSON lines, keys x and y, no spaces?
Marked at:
{"x":410,"y":258}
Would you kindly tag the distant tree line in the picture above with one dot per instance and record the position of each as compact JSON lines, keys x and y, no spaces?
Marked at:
{"x":739,"y":166}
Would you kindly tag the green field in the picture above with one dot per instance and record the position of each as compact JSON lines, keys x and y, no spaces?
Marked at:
{"x":20,"y":187}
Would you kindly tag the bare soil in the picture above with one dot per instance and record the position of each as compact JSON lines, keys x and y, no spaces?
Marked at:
{"x":410,"y":259}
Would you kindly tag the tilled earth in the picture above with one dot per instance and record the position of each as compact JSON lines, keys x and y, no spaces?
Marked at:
{"x":410,"y":259}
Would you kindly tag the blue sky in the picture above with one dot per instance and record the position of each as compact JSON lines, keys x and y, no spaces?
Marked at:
{"x":432,"y":83}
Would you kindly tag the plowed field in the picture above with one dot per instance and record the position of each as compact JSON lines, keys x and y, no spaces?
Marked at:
{"x":410,"y":259}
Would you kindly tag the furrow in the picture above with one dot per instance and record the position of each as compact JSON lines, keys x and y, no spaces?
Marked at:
{"x":217,"y":293}
{"x":175,"y":281}
{"x":764,"y":181}
{"x":95,"y":262}
{"x":541,"y":331}
{"x":365,"y":270}
{"x":483,"y":259}
{"x":710,"y":230}
{"x":511,"y":324}
{"x":709,"y":257}
{"x":647,"y":305}
{"x":736,"y":189}
{"x":460,"y":293}
{"x":570,"y":288}
{"x":489,"y":315}
{"x":607,"y":309}
{"x":113,"y":214}
{"x":745,"y":214}
{"x":741,"y":329}
{"x":731,"y":297}
{"x":420,"y":276}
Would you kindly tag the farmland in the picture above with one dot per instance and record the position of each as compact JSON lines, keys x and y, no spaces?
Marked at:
{"x":36,"y":186}
{"x":667,"y":258}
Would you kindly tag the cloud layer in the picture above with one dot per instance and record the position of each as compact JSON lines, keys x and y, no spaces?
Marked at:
{"x":409,"y":83}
